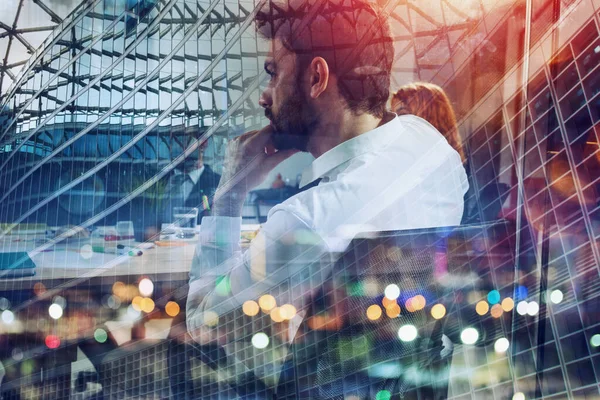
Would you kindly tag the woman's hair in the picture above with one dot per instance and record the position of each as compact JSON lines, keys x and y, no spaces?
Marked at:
{"x":429,"y":102}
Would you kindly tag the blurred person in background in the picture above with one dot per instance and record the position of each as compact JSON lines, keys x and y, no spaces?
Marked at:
{"x":429,"y":101}
{"x":192,"y":185}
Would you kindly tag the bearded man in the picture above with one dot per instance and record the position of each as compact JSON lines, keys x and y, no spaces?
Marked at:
{"x":329,"y":69}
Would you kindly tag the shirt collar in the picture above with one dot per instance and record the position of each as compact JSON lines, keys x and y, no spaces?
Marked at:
{"x":372,"y":140}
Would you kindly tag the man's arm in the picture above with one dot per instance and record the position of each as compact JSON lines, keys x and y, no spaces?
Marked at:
{"x":284,"y":247}
{"x":248,"y":160}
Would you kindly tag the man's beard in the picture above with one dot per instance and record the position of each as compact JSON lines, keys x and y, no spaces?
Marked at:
{"x":292,"y":131}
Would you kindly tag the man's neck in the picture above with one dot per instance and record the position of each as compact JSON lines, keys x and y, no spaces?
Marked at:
{"x":345,"y":127}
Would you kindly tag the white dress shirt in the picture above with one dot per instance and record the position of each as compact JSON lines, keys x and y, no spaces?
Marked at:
{"x":401,"y":175}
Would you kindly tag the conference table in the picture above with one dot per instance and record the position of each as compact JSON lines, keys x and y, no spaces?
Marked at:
{"x":69,"y":264}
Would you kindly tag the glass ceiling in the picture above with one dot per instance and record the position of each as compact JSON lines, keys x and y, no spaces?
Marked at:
{"x":24,"y":24}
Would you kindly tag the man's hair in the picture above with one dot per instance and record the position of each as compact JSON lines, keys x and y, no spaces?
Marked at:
{"x":430,"y":102}
{"x":352,"y":36}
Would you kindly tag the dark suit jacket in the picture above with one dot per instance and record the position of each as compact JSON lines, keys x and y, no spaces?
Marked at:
{"x":206,"y":186}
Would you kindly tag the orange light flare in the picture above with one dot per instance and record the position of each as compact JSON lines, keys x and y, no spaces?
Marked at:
{"x":508,"y":304}
{"x":325,"y":323}
{"x":250,"y":308}
{"x":39,"y":289}
{"x":374,"y":312}
{"x":409,"y":305}
{"x":393,"y":311}
{"x":496,"y":311}
{"x":438,"y":311}
{"x":267,"y":303}
{"x":172,"y":309}
{"x":388,"y":303}
{"x":419,"y":302}
{"x":482,"y":307}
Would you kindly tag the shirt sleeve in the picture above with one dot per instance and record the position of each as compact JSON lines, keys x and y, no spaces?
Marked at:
{"x":223,"y":276}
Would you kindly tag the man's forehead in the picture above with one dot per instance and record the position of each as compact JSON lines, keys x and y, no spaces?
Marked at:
{"x":277,"y":51}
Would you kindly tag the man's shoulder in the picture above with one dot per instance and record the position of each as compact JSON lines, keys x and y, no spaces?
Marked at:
{"x":315,"y":205}
{"x":209,"y":178}
{"x":300,"y":205}
{"x":209,"y":172}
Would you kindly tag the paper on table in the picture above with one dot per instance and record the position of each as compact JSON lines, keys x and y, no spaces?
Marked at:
{"x":73,"y":259}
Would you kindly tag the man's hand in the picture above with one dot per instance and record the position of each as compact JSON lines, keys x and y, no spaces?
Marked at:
{"x":248,"y":160}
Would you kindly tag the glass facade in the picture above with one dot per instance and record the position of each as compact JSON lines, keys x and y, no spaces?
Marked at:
{"x":123,"y":94}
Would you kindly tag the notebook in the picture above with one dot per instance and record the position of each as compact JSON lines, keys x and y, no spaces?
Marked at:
{"x":16,"y":264}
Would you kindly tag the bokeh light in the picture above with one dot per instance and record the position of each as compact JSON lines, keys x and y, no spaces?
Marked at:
{"x":52,"y":341}
{"x":419,"y":302}
{"x":8,"y":317}
{"x":172,"y":309}
{"x":482,"y":307}
{"x":113,"y":302}
{"x":595,"y":340}
{"x":469,"y":336}
{"x":136,"y":303}
{"x":288,"y":311}
{"x":147,"y":305}
{"x":132,"y":313}
{"x":556,"y":296}
{"x":408,"y":304}
{"x":496,"y":311}
{"x":118,"y":288}
{"x":533,"y":308}
{"x":210,"y":318}
{"x":493,"y":297}
{"x":86,"y":252}
{"x":39,"y":289}
{"x":267,"y":302}
{"x":387,"y":302}
{"x":55,"y":311}
{"x":392,"y":291}
{"x":522,"y":308}
{"x":508,"y":304}
{"x":125,"y":292}
{"x":17,"y":354}
{"x":146,"y":287}
{"x":518,"y":396}
{"x":4,"y":303}
{"x":501,"y":345}
{"x":250,"y":308}
{"x":260,"y":340}
{"x":374,"y":312}
{"x":521,"y":293}
{"x":100,"y":335}
{"x":407,"y":333}
{"x":383,"y":395}
{"x":61,"y":301}
{"x":438,"y":311}
{"x":393,"y":311}
{"x":276,"y":315}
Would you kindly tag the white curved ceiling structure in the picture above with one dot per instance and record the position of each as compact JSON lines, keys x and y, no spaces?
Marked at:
{"x":24,"y":24}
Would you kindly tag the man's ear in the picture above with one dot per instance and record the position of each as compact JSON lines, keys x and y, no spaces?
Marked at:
{"x":319,"y":76}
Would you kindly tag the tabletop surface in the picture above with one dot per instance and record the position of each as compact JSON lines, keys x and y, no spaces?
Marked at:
{"x":74,"y":261}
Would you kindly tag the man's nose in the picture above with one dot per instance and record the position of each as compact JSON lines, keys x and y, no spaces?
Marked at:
{"x":265,"y":99}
